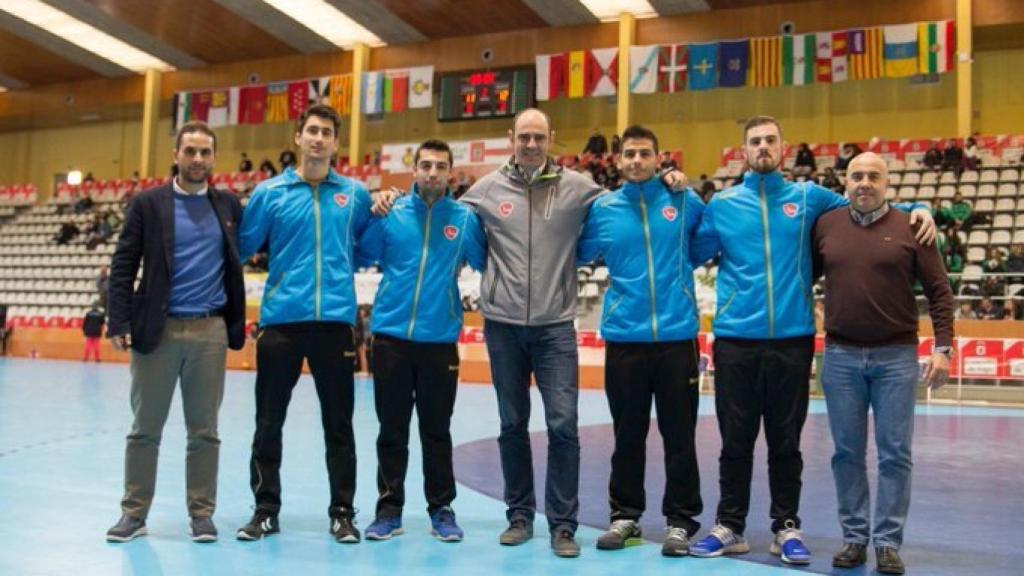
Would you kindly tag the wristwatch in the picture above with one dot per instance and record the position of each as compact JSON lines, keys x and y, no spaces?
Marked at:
{"x":946,"y":351}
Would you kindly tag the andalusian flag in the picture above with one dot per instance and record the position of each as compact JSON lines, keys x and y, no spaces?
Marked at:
{"x":936,"y":46}
{"x":765,"y":61}
{"x":798,"y":59}
{"x":901,"y":50}
{"x":577,"y":74}
{"x":866,"y":49}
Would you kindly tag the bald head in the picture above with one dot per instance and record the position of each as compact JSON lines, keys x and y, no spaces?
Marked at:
{"x":867,"y":179}
{"x":531,"y":137}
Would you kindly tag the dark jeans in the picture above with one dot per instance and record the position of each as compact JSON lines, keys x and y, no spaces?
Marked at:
{"x":279,"y":354}
{"x":424,"y":375}
{"x":757,"y":379}
{"x":636,"y":374}
{"x":549,"y":353}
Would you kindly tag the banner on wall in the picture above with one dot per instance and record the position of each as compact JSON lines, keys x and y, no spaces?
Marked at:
{"x":398,"y":158}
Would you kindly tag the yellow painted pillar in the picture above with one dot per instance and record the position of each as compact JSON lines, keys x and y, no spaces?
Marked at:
{"x":360,"y":62}
{"x":964,"y":69}
{"x":627,"y":31}
{"x":150,"y":122}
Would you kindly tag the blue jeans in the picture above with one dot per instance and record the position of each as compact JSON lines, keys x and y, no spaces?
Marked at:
{"x":884,"y":379}
{"x":550,"y":354}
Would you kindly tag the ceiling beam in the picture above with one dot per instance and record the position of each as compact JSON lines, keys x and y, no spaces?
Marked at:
{"x":279,"y":25}
{"x":11,"y":83}
{"x":377,"y":19}
{"x":673,"y":7}
{"x":61,"y":47}
{"x":562,"y":12}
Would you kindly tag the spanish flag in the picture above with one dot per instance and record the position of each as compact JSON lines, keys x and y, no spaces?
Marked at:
{"x":577,"y":74}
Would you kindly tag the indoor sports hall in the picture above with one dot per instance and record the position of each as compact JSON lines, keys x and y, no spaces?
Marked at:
{"x":99,"y":105}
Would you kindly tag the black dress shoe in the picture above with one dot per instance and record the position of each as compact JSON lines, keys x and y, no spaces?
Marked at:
{"x":888,"y":560}
{"x":850,"y":556}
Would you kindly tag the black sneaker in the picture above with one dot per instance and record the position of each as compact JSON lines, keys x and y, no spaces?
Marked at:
{"x":564,"y":544}
{"x":127,"y":529}
{"x":202,"y":529}
{"x":262,"y":524}
{"x":344,"y":530}
{"x":519,"y":530}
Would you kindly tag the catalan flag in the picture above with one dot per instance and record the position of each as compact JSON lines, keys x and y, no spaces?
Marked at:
{"x":577,"y":74}
{"x":866,"y":49}
{"x":340,"y":96}
{"x":765,"y":62}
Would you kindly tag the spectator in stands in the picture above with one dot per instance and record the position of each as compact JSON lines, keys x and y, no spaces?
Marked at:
{"x":804,"y":164}
{"x":965,"y":311}
{"x":972,"y":155}
{"x":959,"y":213}
{"x":996,"y":263}
{"x":597,"y":144}
{"x":707,"y":190}
{"x":68,"y":231}
{"x":831,"y":181}
{"x":97,"y":232}
{"x":989,"y":310}
{"x":246,"y":164}
{"x":189,"y":308}
{"x":88,"y":178}
{"x":952,"y":157}
{"x":871,"y":363}
{"x":932,"y":157}
{"x":1015,"y":263}
{"x":267,"y":168}
{"x":612,"y":176}
{"x":993,"y":286}
{"x":616,"y":145}
{"x":287,"y":159}
{"x":84,"y":204}
{"x":92,"y":329}
{"x":667,"y":161}
{"x":103,"y":286}
{"x":845,"y":155}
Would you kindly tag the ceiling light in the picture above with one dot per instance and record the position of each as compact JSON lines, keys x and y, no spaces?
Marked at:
{"x":83,"y":35}
{"x":327,"y":21}
{"x":609,"y":10}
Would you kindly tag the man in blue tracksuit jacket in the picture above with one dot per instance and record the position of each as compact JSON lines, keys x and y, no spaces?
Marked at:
{"x":650,"y":322}
{"x":417,"y":317}
{"x":764,"y":335}
{"x":307,"y":219}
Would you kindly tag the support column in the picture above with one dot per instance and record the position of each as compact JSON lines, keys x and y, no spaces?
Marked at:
{"x":964,"y":69}
{"x":627,"y":31}
{"x":360,"y":63}
{"x":150,"y":123}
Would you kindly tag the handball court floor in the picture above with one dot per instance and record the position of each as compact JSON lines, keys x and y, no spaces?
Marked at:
{"x":62,"y":428}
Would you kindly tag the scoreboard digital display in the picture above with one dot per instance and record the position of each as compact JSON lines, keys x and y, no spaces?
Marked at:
{"x":479,"y":94}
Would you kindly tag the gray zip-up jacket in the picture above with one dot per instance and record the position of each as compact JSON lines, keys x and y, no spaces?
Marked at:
{"x":532,"y":230}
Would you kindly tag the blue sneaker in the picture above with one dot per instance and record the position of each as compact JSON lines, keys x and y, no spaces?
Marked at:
{"x":384,"y":527}
{"x":443,"y":526}
{"x":788,"y":545}
{"x":720,"y":540}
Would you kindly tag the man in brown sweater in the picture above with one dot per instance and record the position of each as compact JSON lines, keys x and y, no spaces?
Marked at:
{"x":871,"y":262}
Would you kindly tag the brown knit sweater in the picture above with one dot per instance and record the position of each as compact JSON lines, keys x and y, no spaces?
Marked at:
{"x":869,"y":281}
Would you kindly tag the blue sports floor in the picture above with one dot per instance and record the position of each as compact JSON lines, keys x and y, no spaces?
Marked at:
{"x":62,"y":428}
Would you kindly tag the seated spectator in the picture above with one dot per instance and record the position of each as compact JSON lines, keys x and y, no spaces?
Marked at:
{"x":597,"y":144}
{"x":667,"y":162}
{"x":88,"y":178}
{"x":97,"y":232}
{"x":245,"y":165}
{"x":952,"y":157}
{"x":68,"y":231}
{"x":972,"y":155}
{"x":616,"y":145}
{"x":965,"y":311}
{"x":959,"y":213}
{"x":993,"y":286}
{"x":848,"y":152}
{"x":932,"y":158}
{"x":989,"y":310}
{"x":267,"y":167}
{"x":996,"y":263}
{"x":805,"y":164}
{"x":831,"y":181}
{"x":1015,"y":263}
{"x":84,"y":204}
{"x":286,"y":159}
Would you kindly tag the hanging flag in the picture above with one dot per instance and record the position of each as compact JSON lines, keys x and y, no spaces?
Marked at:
{"x":866,"y":49}
{"x":396,"y":90}
{"x":552,"y":76}
{"x":735,"y":61}
{"x":298,"y":99}
{"x":252,"y":106}
{"x":277,"y":102}
{"x":219,"y":109}
{"x":521,"y":96}
{"x":199,"y":108}
{"x":234,"y":104}
{"x":936,"y":44}
{"x":702,"y":72}
{"x":373,"y":92}
{"x":182,"y":100}
{"x":798,"y":59}
{"x":823,"y":57}
{"x":901,"y":50}
{"x":601,"y":76}
{"x":577,"y":76}
{"x":765,"y":61}
{"x":643,"y":69}
{"x":319,"y":91}
{"x":340,"y":97}
{"x":421,"y":87}
{"x":672,"y":64}
{"x":840,"y":57}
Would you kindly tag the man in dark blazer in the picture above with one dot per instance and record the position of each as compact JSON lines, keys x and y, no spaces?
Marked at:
{"x":188,"y":309}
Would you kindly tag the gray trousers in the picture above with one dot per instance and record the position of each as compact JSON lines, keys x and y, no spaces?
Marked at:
{"x":194,"y":351}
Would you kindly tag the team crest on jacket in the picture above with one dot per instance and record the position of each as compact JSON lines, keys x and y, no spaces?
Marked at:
{"x":790,"y":209}
{"x":505,"y":209}
{"x":450,"y":232}
{"x":670,"y":213}
{"x":341,"y":200}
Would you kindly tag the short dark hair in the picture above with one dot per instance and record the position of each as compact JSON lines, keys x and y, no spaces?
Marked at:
{"x":436,"y":145}
{"x":638,"y":132}
{"x":320,"y":111}
{"x":760,"y":120}
{"x":192,"y":127}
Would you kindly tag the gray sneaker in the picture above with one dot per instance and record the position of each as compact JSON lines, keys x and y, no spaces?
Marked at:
{"x":519,"y":530}
{"x":127,"y":529}
{"x":202,"y":529}
{"x":677,"y":542}
{"x":620,"y":534}
{"x":564,"y":543}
